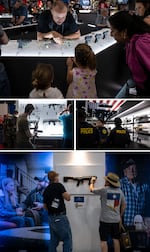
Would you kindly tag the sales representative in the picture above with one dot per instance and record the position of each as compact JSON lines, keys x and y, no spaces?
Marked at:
{"x":57,"y":24}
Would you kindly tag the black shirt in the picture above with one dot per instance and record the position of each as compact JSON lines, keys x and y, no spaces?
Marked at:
{"x":46,"y":24}
{"x":87,"y":136}
{"x":21,"y":11}
{"x":53,"y":198}
{"x":103,"y":134}
{"x":119,"y":138}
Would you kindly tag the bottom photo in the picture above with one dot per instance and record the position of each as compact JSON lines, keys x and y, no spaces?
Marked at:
{"x":74,"y":201}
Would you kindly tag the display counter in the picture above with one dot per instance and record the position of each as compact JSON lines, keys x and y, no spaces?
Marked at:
{"x":9,"y":16}
{"x":99,"y":41}
{"x":21,"y":57}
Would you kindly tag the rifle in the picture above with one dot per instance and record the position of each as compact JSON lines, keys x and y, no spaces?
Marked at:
{"x":51,"y":121}
{"x":79,"y":179}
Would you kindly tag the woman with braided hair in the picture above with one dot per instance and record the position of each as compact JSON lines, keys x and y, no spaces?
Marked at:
{"x":81,"y":78}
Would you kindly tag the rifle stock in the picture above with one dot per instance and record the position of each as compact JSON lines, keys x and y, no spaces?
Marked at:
{"x":79,"y":179}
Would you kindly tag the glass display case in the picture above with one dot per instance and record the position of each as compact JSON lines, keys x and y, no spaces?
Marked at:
{"x":98,"y":40}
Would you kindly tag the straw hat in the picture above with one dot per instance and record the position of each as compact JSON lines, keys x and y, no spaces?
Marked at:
{"x":113,"y":179}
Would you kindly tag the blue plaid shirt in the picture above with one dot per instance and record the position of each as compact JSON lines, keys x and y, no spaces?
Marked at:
{"x":135,"y":199}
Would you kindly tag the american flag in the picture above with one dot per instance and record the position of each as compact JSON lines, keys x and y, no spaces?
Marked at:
{"x":107,"y":105}
{"x":113,"y":199}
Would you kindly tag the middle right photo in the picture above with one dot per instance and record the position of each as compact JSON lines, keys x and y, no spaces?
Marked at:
{"x":112,"y":124}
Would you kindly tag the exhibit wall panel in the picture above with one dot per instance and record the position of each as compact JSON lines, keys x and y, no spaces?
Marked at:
{"x":84,"y":208}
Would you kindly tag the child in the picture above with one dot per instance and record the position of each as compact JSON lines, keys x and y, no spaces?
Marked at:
{"x":42,"y":78}
{"x":81,"y":79}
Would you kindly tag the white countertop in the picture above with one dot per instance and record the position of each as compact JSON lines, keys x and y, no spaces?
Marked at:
{"x":36,"y":48}
{"x":9,"y":16}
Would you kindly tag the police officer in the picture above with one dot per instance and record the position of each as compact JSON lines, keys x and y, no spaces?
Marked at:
{"x":119,"y":137}
{"x":87,"y":134}
{"x":103,"y":133}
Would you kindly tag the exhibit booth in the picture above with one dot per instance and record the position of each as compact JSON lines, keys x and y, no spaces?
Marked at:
{"x":20,"y":57}
{"x":84,"y":208}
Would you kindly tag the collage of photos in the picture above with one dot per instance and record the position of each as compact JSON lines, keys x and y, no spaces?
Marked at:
{"x":74,"y":125}
{"x":31,"y":180}
{"x":69,"y":168}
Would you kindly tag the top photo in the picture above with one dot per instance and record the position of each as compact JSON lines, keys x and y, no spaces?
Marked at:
{"x":75,"y":49}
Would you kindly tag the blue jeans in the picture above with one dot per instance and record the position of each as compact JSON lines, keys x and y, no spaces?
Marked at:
{"x":60,"y":231}
{"x":22,"y":221}
{"x":124,"y":92}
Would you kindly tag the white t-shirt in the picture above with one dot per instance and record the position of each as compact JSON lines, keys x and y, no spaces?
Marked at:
{"x":50,"y":92}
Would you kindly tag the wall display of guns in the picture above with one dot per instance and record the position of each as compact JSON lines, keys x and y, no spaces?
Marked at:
{"x":46,"y":115}
{"x":80,"y":180}
{"x":139,"y":129}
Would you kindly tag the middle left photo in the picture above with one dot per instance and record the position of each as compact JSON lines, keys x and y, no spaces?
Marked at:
{"x":36,"y":124}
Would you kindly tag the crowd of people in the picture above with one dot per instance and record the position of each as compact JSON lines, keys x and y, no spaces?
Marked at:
{"x":122,"y":200}
{"x":90,"y":136}
{"x":28,"y":212}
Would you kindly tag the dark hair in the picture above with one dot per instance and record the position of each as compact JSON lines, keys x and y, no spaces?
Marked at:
{"x":85,"y":56}
{"x":81,"y":114}
{"x":101,"y":120}
{"x":28,"y":108}
{"x":146,"y":4}
{"x":118,"y":121}
{"x":70,"y":107}
{"x":42,"y":76}
{"x":122,"y":20}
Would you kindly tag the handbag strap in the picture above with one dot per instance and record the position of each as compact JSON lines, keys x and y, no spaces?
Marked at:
{"x":123,"y":228}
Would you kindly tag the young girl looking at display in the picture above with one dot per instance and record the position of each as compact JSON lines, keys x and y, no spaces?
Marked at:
{"x":81,"y":78}
{"x":42,"y":78}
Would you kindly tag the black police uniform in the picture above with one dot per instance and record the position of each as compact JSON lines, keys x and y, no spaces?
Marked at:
{"x":87,"y":136}
{"x":103,"y":134}
{"x":118,"y":138}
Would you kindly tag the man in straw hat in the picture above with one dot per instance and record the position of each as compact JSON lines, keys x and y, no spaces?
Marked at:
{"x":54,"y":196}
{"x":112,"y":209}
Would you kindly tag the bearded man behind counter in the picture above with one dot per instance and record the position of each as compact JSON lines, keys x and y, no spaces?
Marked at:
{"x":57,"y":24}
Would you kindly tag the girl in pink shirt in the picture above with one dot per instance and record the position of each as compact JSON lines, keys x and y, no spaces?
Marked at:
{"x":135,"y":34}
